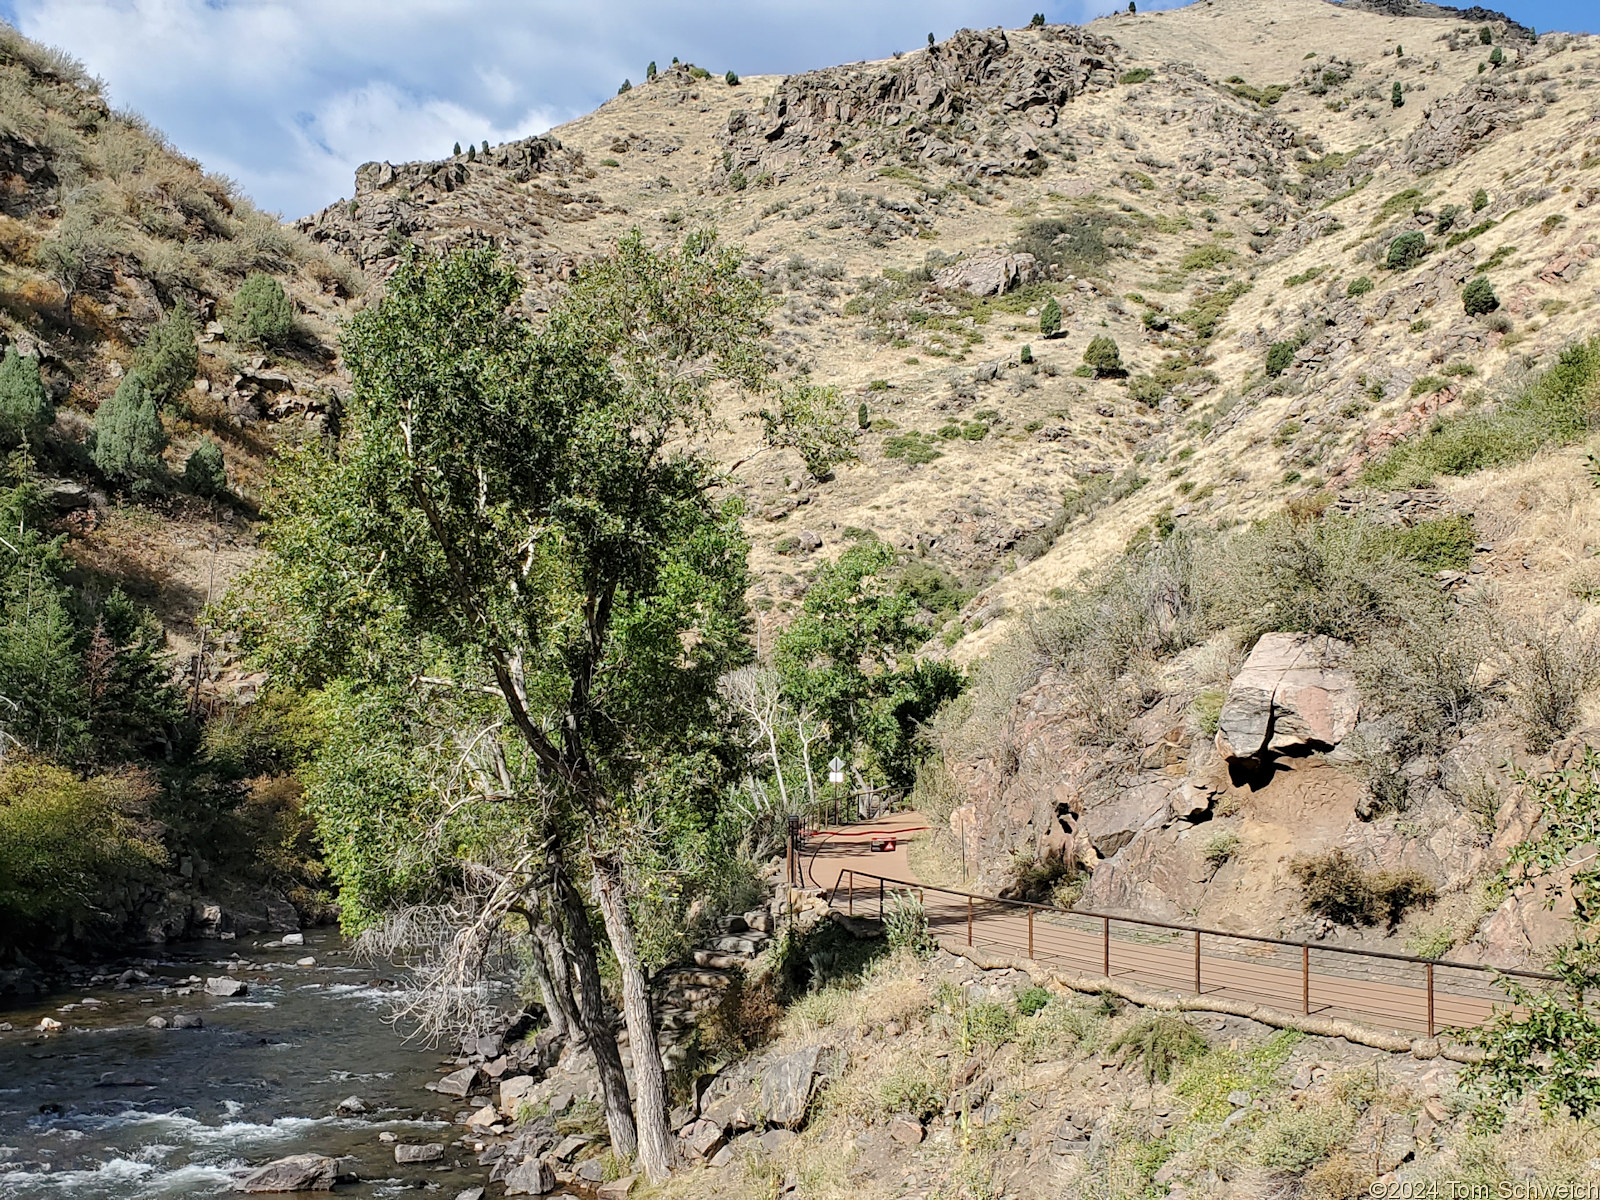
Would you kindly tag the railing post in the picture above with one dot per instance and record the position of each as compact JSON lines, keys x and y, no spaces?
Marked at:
{"x":1430,"y":999}
{"x":1105,"y":928}
{"x":1030,"y":935}
{"x":969,"y":920}
{"x":1196,"y":962}
{"x":852,"y":893}
{"x":1305,"y":980}
{"x":880,"y":897}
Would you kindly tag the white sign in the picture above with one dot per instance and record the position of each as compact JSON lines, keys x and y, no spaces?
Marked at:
{"x":836,"y":770}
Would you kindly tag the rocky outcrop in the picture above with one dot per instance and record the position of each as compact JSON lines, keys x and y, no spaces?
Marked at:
{"x":1456,"y":125}
{"x":1293,"y":695}
{"x":988,"y":274}
{"x":963,"y":102}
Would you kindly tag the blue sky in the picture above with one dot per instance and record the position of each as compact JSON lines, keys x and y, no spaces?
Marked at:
{"x":289,"y":96}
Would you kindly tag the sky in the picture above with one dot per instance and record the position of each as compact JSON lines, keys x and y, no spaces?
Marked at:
{"x":288,"y":97}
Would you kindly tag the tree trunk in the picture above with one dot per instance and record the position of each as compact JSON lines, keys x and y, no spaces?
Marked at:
{"x":555,"y":956}
{"x":597,"y":1029}
{"x":649,"y":1077}
{"x":539,"y":955}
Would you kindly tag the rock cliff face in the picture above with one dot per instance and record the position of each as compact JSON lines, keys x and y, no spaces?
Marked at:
{"x":980,"y":102}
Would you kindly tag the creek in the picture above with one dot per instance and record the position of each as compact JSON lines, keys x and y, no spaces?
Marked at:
{"x":107,"y":1108}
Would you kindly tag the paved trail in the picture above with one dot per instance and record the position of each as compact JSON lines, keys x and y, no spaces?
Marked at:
{"x":1378,"y":993}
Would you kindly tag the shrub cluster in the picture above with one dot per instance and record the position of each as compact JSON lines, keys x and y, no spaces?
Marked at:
{"x":1339,"y":889}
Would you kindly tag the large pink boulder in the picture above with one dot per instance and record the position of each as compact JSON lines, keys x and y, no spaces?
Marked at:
{"x":1294,"y":694}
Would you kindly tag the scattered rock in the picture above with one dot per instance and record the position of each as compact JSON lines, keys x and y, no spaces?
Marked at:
{"x":702,"y":1138}
{"x":188,"y":1021}
{"x":514,"y":1091}
{"x":617,"y":1189}
{"x":533,"y":1178}
{"x":226,"y":985}
{"x":351,"y":1106}
{"x":906,"y":1131}
{"x":458,"y":1083}
{"x":156,"y":1023}
{"x":786,"y":1087}
{"x":296,"y":1173}
{"x":988,"y":274}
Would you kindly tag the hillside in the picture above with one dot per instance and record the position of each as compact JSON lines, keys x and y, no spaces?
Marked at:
{"x":1226,"y":210}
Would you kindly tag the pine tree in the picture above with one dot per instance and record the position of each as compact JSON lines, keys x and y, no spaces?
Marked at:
{"x":472,"y":152}
{"x":1478,"y":297}
{"x":261,"y":312}
{"x":930,"y":39}
{"x":1026,"y":356}
{"x":169,"y":357}
{"x":1480,"y":200}
{"x":24,"y":405}
{"x":731,"y":79}
{"x":1050,"y":318}
{"x":1496,"y":57}
{"x":1485,"y":35}
{"x":627,"y":86}
{"x":1132,"y":7}
{"x":484,"y":149}
{"x":1102,"y":354}
{"x":650,"y":71}
{"x":128,"y":438}
{"x":1397,"y":95}
{"x":456,"y":151}
{"x":204,"y":472}
{"x":863,"y":420}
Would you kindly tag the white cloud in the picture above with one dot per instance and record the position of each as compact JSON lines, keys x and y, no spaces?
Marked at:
{"x":289,"y":96}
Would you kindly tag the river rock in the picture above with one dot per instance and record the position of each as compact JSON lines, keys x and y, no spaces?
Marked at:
{"x":49,"y":1023}
{"x":786,"y":1087}
{"x":351,"y":1106}
{"x":406,"y":1152}
{"x":483,"y":1118}
{"x":188,"y":1021}
{"x":226,"y":985}
{"x":156,"y":1023}
{"x":617,"y":1189}
{"x":458,"y":1083}
{"x":1293,"y":694}
{"x":514,"y":1091}
{"x":471,"y":1193}
{"x":294,"y":939}
{"x":533,"y":1178}
{"x":297,"y":1173}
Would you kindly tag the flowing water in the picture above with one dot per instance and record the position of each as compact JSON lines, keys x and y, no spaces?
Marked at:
{"x":106,"y":1107}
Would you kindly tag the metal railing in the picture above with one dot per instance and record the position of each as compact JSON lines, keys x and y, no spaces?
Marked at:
{"x":1238,"y":965}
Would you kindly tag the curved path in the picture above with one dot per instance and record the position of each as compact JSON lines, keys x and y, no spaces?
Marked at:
{"x":1381,"y":993}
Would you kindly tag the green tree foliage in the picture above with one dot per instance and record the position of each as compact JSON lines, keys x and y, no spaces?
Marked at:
{"x":1397,"y":97}
{"x":810,"y":420}
{"x":731,"y":79}
{"x":1037,"y":22}
{"x":1280,"y":357}
{"x":67,"y":842}
{"x":1485,"y":35}
{"x":261,"y":314}
{"x":1025,"y":355}
{"x":625,"y":86}
{"x":514,"y":508}
{"x":1550,"y":1047}
{"x":1050,"y":318}
{"x":1478,"y":297}
{"x":71,"y":254}
{"x":650,"y":71}
{"x":204,"y":472}
{"x":169,"y":357}
{"x":81,"y":681}
{"x":1102,"y":355}
{"x":455,"y":151}
{"x":1480,"y":200}
{"x":1496,"y":57}
{"x":25,"y":409}
{"x":128,"y":437}
{"x":1407,"y":250}
{"x":847,"y":658}
{"x":1359,"y":286}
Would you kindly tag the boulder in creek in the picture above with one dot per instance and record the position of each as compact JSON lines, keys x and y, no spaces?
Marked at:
{"x":406,"y":1152}
{"x":188,"y":1021}
{"x":351,"y":1106}
{"x":458,"y":1083}
{"x":1294,"y":694}
{"x":297,"y":1173}
{"x":514,"y":1091}
{"x":533,"y":1178}
{"x":156,"y":1023}
{"x":226,"y":985}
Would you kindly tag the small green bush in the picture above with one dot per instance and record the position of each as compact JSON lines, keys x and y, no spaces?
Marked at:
{"x":25,"y":409}
{"x":1342,"y":891}
{"x":1159,"y":1043}
{"x":1443,"y":544}
{"x":911,"y":447}
{"x":1032,"y":999}
{"x":1025,"y":355}
{"x":1496,"y":57}
{"x":1485,"y":35}
{"x":1102,"y":356}
{"x":1480,"y":200}
{"x":1221,"y":848}
{"x":1397,"y":96}
{"x":1207,"y":256}
{"x":1280,"y":357}
{"x":204,"y":472}
{"x":1050,"y":318}
{"x":905,"y":925}
{"x":128,"y":437}
{"x":1359,"y":286}
{"x":1137,"y":75}
{"x":1407,"y":250}
{"x":985,"y":1025}
{"x":169,"y":357}
{"x":261,"y":313}
{"x":1478,"y":297}
{"x":731,"y":79}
